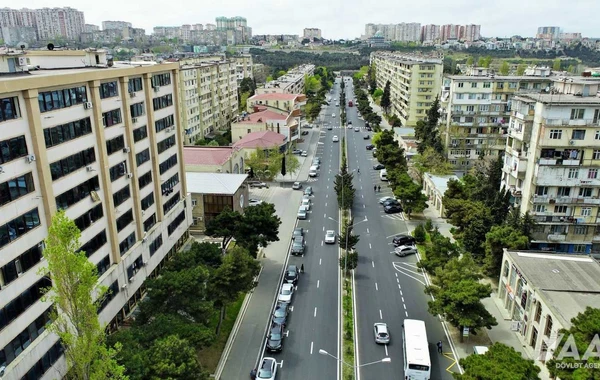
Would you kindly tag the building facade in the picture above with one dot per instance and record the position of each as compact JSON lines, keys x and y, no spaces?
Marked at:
{"x":291,"y":82}
{"x":243,"y":67}
{"x":430,"y":33}
{"x":476,"y":112}
{"x":552,"y":162}
{"x":311,"y":33}
{"x":281,"y":102}
{"x":49,"y":23}
{"x":115,"y":25}
{"x":105,"y":146}
{"x":548,"y":32}
{"x":414,"y":83}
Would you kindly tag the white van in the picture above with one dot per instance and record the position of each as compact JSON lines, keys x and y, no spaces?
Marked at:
{"x":383,"y":175}
{"x":312,"y":172}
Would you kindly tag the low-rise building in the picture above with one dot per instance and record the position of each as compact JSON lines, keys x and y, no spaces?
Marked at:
{"x":311,"y":33}
{"x":435,"y":187}
{"x":213,"y":159}
{"x":261,"y":140}
{"x":276,"y":102}
{"x":291,"y":82}
{"x":266,"y":120}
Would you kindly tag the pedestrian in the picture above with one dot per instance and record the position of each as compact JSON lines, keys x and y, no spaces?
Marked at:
{"x":375,"y":188}
{"x":379,"y":188}
{"x":302,"y":268}
{"x":439,"y":346}
{"x":253,"y":374}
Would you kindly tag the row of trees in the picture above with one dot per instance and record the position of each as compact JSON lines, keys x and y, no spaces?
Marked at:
{"x":282,"y":60}
{"x":266,"y":164}
{"x":316,"y":88}
{"x":363,"y":105}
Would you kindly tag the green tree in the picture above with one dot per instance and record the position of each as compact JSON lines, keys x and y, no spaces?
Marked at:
{"x":438,"y":252}
{"x":344,"y":189}
{"x":427,"y":131}
{"x":470,"y":61}
{"x":173,"y":358}
{"x":481,"y":62}
{"x":265,"y":163}
{"x":505,"y":68}
{"x":348,"y":236}
{"x":259,"y":226}
{"x":556,"y":64}
{"x":430,"y":161}
{"x":234,"y":277}
{"x":496,"y":240}
{"x":501,"y":362}
{"x":410,"y":195}
{"x":205,"y":253}
{"x":457,"y":295}
{"x":378,"y":93}
{"x":247,"y":85}
{"x":372,"y":78}
{"x":223,"y":226}
{"x":386,"y":102}
{"x":572,"y":69}
{"x":349,"y":260}
{"x":521,"y":69}
{"x":75,"y":317}
{"x":487,"y":61}
{"x":419,"y":233}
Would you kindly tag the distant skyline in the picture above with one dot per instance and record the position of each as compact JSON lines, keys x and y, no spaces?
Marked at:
{"x":345,"y":19}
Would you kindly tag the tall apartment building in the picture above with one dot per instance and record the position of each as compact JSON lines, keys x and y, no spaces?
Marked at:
{"x":548,"y":32}
{"x":90,"y":28}
{"x":209,"y":94}
{"x":239,"y":25}
{"x":290,"y":83}
{"x":103,"y":144}
{"x":407,"y":32}
{"x":552,"y":163}
{"x":115,"y":25}
{"x":49,"y":23}
{"x":471,"y":33}
{"x":476,"y":111}
{"x":450,"y":32}
{"x":414,"y":83}
{"x":311,"y":33}
{"x":430,"y":33}
{"x":243,"y":67}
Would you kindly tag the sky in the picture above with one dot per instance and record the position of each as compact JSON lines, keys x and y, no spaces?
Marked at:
{"x":345,"y":18}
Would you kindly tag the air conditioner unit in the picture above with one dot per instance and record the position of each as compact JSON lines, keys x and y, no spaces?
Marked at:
{"x":571,"y":142}
{"x":89,"y":168}
{"x":130,"y":175}
{"x":124,"y":286}
{"x":132,"y":94}
{"x":87,"y":105}
{"x":95,"y":197}
{"x":30,"y":158}
{"x":144,"y":263}
{"x":156,"y":88}
{"x":22,"y":61}
{"x":131,"y":279}
{"x":134,"y":119}
{"x":126,"y":149}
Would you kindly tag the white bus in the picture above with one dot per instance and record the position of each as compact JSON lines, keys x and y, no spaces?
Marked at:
{"x":417,"y":364}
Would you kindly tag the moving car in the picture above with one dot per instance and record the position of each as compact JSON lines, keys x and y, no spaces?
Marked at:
{"x":379,"y":166}
{"x":366,"y":137}
{"x":356,"y":129}
{"x":280,"y":313}
{"x":302,"y":214}
{"x":368,"y":128}
{"x":399,"y":240}
{"x":254,"y":202}
{"x":267,"y":369}
{"x":298,"y":231}
{"x":308,"y":190}
{"x":291,"y":275}
{"x":286,"y":293}
{"x":330,"y":237}
{"x":297,"y":186}
{"x":332,"y":115}
{"x":298,"y":246}
{"x":329,"y":128}
{"x":370,"y":146}
{"x":275,"y":338}
{"x":335,"y":139}
{"x":405,"y":250}
{"x":313,"y":171}
{"x":296,"y":151}
{"x":392,"y":209}
{"x":381,"y":332}
{"x":350,"y":123}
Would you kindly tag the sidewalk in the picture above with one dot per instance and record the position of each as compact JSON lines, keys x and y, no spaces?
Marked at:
{"x":502,"y":332}
{"x":378,"y":111}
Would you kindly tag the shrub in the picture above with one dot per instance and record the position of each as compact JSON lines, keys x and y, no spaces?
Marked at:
{"x":428,"y":225}
{"x":420,"y":233}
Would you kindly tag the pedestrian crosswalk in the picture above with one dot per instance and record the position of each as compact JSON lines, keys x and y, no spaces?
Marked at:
{"x":399,"y":216}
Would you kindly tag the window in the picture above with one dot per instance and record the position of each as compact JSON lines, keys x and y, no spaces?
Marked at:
{"x":115,"y":144}
{"x":460,"y":96}
{"x":573,"y":173}
{"x":556,"y":134}
{"x":15,"y":188}
{"x":38,"y":370}
{"x":161,"y":79}
{"x":564,"y":191}
{"x":155,"y":245}
{"x":484,"y":107}
{"x":580,"y":230}
{"x":500,"y":85}
{"x":585,"y":192}
{"x":597,"y":135}
{"x":461,"y":84}
{"x":53,"y":100}
{"x":103,"y":265}
{"x":76,"y":194}
{"x":147,"y":201}
{"x":140,"y":133}
{"x":135,"y":84}
{"x":121,"y":196}
{"x":579,"y":248}
{"x":14,"y":348}
{"x":168,"y":205}
{"x":89,"y":217}
{"x":25,"y":261}
{"x":9,"y":109}
{"x":150,"y":222}
{"x":538,"y":313}
{"x":596,"y":154}
{"x":472,"y":96}
{"x":142,"y":157}
{"x":176,"y":222}
{"x":127,"y":243}
{"x":577,"y":113}
{"x":586,"y":211}
{"x":12,"y":149}
{"x":67,"y":132}
{"x":560,"y":209}
{"x":167,"y":164}
{"x":94,"y":244}
{"x":164,"y":123}
{"x":21,"y":303}
{"x":110,"y":294}
{"x":117,"y":171}
{"x":487,"y":85}
{"x":540,"y":208}
{"x":162,"y":102}
{"x":592,"y":173}
{"x":124,"y":220}
{"x":137,"y":109}
{"x":512,"y":85}
{"x":109,"y":90}
{"x":166,"y":144}
{"x":111,"y":118}
{"x":473,"y":84}
{"x":548,"y":329}
{"x":578,"y":134}
{"x":168,"y":185}
{"x":72,"y":163}
{"x":145,"y":180}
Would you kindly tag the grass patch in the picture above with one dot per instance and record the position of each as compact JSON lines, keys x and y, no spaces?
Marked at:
{"x":421,"y":246}
{"x":348,"y":331}
{"x":209,"y":357}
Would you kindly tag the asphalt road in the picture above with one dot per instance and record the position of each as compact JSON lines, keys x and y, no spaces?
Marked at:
{"x":313,"y":321}
{"x":388,"y":288}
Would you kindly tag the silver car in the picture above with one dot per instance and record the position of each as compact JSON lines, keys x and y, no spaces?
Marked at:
{"x":302,"y":213}
{"x":267,"y":369}
{"x":381,"y":332}
{"x":286,"y":293}
{"x":405,"y":250}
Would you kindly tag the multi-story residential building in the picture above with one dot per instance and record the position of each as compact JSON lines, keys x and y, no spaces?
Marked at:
{"x":395,"y":32}
{"x":210,"y":27}
{"x":90,"y":28}
{"x":49,"y":23}
{"x":14,"y":35}
{"x":449,"y":32}
{"x":103,"y":144}
{"x":115,"y":25}
{"x":282,"y":123}
{"x":414,"y":83}
{"x":430,"y":33}
{"x":552,"y":162}
{"x":476,"y":111}
{"x":209,"y":102}
{"x":548,"y":32}
{"x":243,"y":67}
{"x":167,"y":31}
{"x":471,"y":33}
{"x":311,"y":33}
{"x":290,"y":83}
{"x":239,"y":25}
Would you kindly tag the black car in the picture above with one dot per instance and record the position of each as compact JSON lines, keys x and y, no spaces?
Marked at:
{"x":370,"y":146}
{"x":280,"y":314}
{"x":392,"y":209}
{"x":391,"y":202}
{"x":403,"y":240}
{"x":304,"y":133}
{"x":378,"y":166}
{"x":275,"y":338}
{"x":291,"y":275}
{"x":368,"y":128}
{"x":299,"y":231}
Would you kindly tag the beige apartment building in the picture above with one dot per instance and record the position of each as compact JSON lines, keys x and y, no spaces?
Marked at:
{"x":552,"y":162}
{"x":414,"y":83}
{"x":284,"y":123}
{"x":290,"y":83}
{"x":243,"y":67}
{"x":209,"y":101}
{"x":476,"y":109}
{"x":101,"y":141}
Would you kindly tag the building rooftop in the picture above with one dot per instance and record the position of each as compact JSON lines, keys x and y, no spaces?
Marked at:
{"x":261,"y":139}
{"x":214,"y":183}
{"x":276,"y":96}
{"x":407,"y":58}
{"x":262,"y":117}
{"x":559,"y":99}
{"x":441,"y":181}
{"x":567,"y":283}
{"x":404,"y":131}
{"x":206,"y":155}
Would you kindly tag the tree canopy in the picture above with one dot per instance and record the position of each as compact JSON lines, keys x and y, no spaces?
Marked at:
{"x":500,"y":362}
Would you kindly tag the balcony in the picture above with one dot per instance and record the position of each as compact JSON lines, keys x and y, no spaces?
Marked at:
{"x":569,"y":122}
{"x":556,"y":237}
{"x":523,"y":116}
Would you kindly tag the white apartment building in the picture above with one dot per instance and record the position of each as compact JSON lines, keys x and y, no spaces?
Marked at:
{"x":115,"y":25}
{"x":430,"y":33}
{"x":105,"y":145}
{"x":290,"y":83}
{"x":243,"y":67}
{"x":552,"y":162}
{"x":414,"y":83}
{"x":407,"y":32}
{"x":49,"y":23}
{"x":209,"y":94}
{"x":311,"y":33}
{"x":476,"y":109}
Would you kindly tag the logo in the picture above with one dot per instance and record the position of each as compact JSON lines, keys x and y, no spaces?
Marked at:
{"x":569,"y":350}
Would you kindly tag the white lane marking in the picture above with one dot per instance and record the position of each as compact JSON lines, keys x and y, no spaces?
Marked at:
{"x":325,"y":204}
{"x":386,"y":352}
{"x":328,"y":189}
{"x":402,"y":305}
{"x":370,"y":246}
{"x":362,"y":195}
{"x":318,"y":282}
{"x":319,"y":261}
{"x":373,"y":263}
{"x":406,"y":314}
{"x":376,"y":287}
{"x":321,"y":243}
{"x":364,"y":206}
{"x":326,"y":195}
{"x":315,"y":315}
{"x":396,"y":274}
{"x":380,"y":315}
{"x":323,"y":228}
{"x":397,"y":280}
{"x":387,"y":237}
{"x":324,"y":216}
{"x":401,"y":294}
{"x":311,"y":348}
{"x":402,"y":299}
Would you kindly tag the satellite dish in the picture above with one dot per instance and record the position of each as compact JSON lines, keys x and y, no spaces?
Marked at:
{"x":23,"y":45}
{"x":50,"y":46}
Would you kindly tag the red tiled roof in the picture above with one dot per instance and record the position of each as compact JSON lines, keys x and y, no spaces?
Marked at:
{"x":273,"y":97}
{"x":260,"y":139}
{"x":206,"y":155}
{"x":263,"y":116}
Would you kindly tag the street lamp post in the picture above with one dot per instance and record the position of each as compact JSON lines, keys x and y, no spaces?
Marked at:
{"x":384,"y":360}
{"x":347,"y":235}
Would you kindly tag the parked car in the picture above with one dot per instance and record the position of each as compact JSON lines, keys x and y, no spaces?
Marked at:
{"x":306,"y":204}
{"x":308,"y":190}
{"x":302,"y":213}
{"x":286,"y":293}
{"x":297,"y":186}
{"x":291,"y":275}
{"x":267,"y":369}
{"x":333,"y":115}
{"x":330,"y":237}
{"x":385,"y":199}
{"x":381,"y":332}
{"x":370,"y":146}
{"x":378,"y":166}
{"x":298,"y":246}
{"x":304,"y":154}
{"x":391,"y":202}
{"x":329,"y":127}
{"x":316,"y":161}
{"x":399,"y":240}
{"x":296,"y":151}
{"x":350,"y":123}
{"x":280,"y":313}
{"x":298,"y":231}
{"x":304,"y":133}
{"x":254,"y":202}
{"x":392,"y":209}
{"x":306,"y":197}
{"x":368,"y":128}
{"x":335,"y":139}
{"x":405,"y":250}
{"x":275,"y":338}
{"x":257,"y":184}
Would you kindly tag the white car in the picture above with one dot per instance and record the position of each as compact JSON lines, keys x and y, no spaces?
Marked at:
{"x":302,"y":214}
{"x":335,"y":139}
{"x":304,"y":154}
{"x":286,"y":293}
{"x":330,"y":237}
{"x":405,"y":250}
{"x":332,"y":115}
{"x":356,"y":129}
{"x":254,"y":202}
{"x":381,"y":332}
{"x":267,"y":369}
{"x":306,"y":204}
